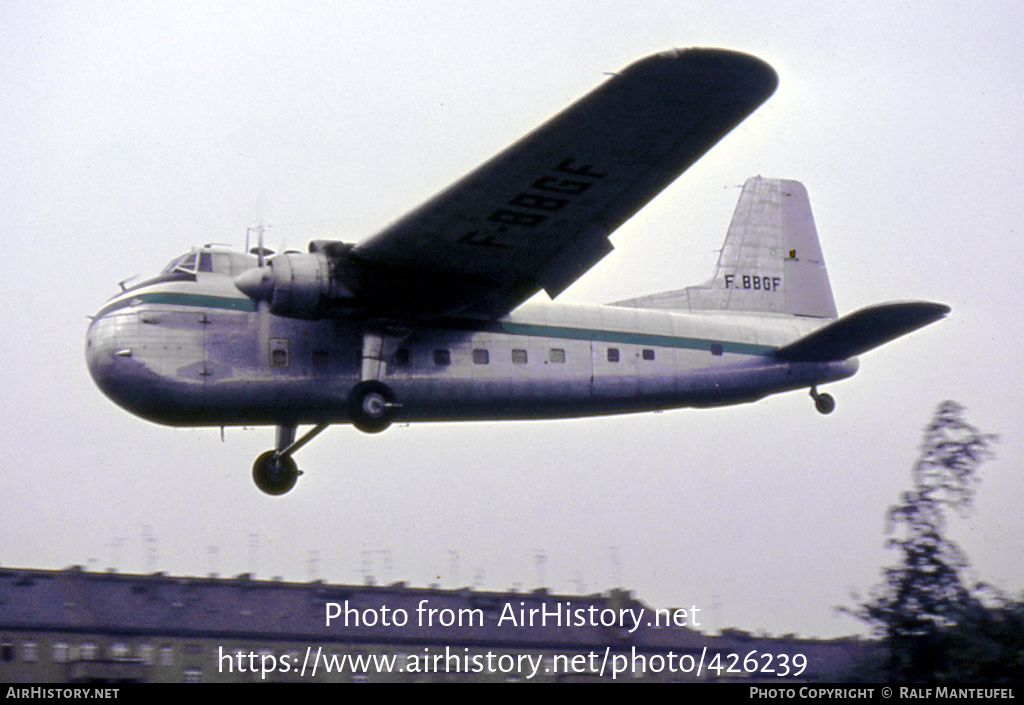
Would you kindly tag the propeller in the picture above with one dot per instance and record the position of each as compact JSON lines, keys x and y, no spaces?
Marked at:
{"x":257,"y":284}
{"x":293,"y":284}
{"x":260,"y":251}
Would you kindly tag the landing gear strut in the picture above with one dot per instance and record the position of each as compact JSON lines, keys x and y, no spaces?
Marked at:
{"x":371,"y":403}
{"x":824,"y":403}
{"x":275,"y":472}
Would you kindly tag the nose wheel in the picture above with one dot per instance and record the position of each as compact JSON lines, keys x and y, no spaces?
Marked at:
{"x":823,"y":402}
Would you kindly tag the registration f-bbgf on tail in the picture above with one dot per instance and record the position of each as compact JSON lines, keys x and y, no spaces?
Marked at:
{"x":424,"y":320}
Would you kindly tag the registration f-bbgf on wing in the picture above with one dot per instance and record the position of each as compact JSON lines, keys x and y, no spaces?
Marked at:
{"x":424,"y":320}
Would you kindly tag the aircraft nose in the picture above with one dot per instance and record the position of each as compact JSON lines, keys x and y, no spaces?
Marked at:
{"x":106,"y":356}
{"x":257,"y":283}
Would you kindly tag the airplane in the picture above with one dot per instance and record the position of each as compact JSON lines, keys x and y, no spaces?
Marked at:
{"x":428,"y":319}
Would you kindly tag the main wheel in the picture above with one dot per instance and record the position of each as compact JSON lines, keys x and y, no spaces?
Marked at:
{"x":371,"y":406}
{"x":274,"y":476}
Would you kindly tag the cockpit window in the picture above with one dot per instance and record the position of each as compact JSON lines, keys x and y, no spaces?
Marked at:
{"x":185,"y":263}
{"x":207,"y":262}
{"x":185,"y":267}
{"x":188,"y":264}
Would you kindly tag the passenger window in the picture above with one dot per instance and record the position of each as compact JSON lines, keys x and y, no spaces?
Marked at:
{"x":613,"y":354}
{"x":519,"y":357}
{"x":442,"y":357}
{"x":556,"y":355}
{"x":402,"y":357}
{"x":648,"y":354}
{"x":279,"y":352}
{"x":481,"y":356}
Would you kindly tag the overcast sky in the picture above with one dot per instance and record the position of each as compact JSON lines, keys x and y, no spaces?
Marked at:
{"x":131,"y":131}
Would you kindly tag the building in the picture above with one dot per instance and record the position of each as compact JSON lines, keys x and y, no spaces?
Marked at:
{"x":77,"y":626}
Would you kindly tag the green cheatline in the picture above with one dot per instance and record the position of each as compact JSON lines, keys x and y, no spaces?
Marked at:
{"x":666,"y":341}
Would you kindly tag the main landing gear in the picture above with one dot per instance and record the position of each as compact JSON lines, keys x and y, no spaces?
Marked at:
{"x":371,"y":409}
{"x":371,"y":406}
{"x":824,"y":403}
{"x":371,"y":403}
{"x":275,"y":472}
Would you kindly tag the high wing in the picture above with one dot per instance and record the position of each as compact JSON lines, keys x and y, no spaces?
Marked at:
{"x":538,"y":215}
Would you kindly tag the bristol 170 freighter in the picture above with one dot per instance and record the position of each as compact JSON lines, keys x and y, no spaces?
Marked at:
{"x":426,"y":320}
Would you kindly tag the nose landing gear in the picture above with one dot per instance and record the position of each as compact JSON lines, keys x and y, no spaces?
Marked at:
{"x":824,"y":403}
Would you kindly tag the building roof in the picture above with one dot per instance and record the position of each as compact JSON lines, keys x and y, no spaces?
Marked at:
{"x":74,"y":600}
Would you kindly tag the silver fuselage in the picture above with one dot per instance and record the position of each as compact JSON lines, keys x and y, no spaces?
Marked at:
{"x":196,"y":351}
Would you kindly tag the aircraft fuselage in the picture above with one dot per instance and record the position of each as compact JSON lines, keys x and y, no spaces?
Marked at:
{"x":198,"y":353}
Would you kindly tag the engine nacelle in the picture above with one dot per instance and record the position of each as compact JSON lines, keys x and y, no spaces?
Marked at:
{"x":296,"y":285}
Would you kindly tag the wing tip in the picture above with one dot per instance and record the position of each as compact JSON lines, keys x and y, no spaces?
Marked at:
{"x":752,"y":67}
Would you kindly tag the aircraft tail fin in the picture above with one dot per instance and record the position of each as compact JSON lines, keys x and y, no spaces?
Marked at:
{"x":771,"y":260}
{"x":861,"y":331}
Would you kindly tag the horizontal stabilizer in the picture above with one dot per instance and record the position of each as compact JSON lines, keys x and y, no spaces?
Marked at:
{"x":861,"y":331}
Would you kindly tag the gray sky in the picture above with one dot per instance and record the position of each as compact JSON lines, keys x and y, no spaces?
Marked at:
{"x":131,"y":131}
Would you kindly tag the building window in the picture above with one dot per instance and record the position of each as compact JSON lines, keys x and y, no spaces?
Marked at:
{"x":519,"y":357}
{"x":6,"y":651}
{"x":556,"y":355}
{"x":193,"y":675}
{"x":481,"y":357}
{"x":146,"y":652}
{"x":87,"y":651}
{"x":613,"y":354}
{"x":648,"y":354}
{"x":29,"y":651}
{"x":166,"y":655}
{"x":60,"y":652}
{"x":442,"y":357}
{"x":119,"y":651}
